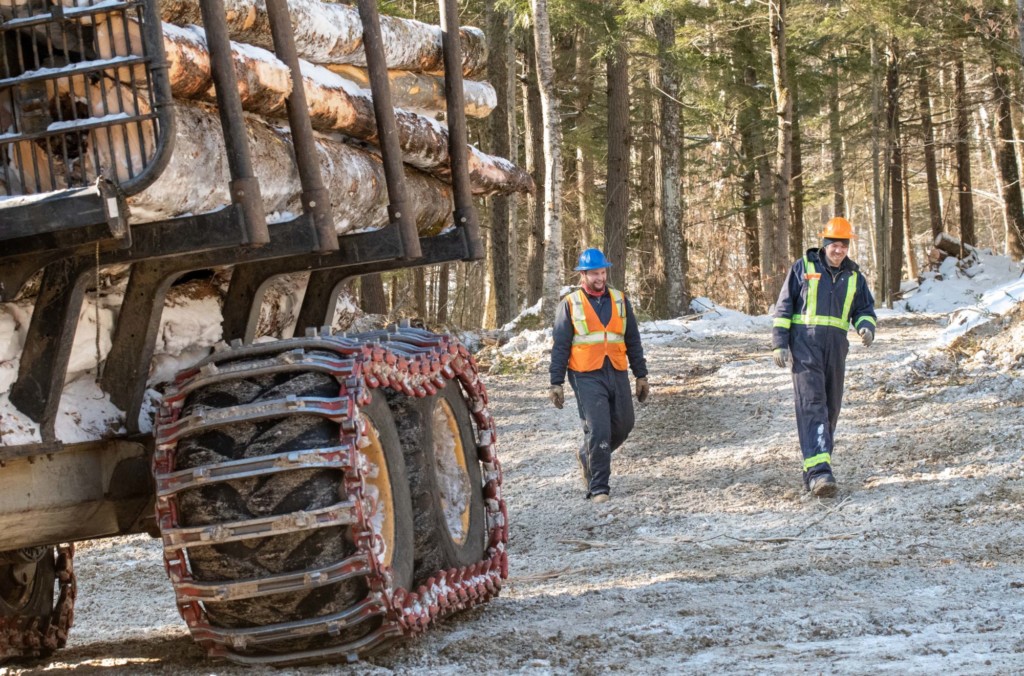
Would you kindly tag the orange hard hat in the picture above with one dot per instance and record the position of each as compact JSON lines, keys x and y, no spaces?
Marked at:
{"x":838,"y":228}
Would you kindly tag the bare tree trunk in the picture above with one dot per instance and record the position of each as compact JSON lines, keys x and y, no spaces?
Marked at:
{"x":584,"y":160}
{"x":892,"y":86}
{"x":442,"y":294}
{"x":752,"y":278}
{"x":669,"y":151}
{"x":371,"y":295}
{"x":988,"y":131}
{"x":796,"y":228}
{"x":908,"y":230}
{"x":835,"y":142}
{"x":963,"y":154}
{"x":877,"y":184}
{"x":616,"y":211}
{"x":419,"y":292}
{"x":784,"y":149}
{"x":502,"y":250}
{"x":930,"y":168}
{"x":759,"y":155}
{"x":533,"y":130}
{"x":552,"y":159}
{"x":1008,"y":163}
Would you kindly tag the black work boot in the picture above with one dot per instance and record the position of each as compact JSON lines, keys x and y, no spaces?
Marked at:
{"x":824,"y":486}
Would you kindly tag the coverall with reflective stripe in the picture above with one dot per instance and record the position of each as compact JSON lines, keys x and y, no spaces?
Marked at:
{"x":603,"y":397}
{"x":817,"y":306}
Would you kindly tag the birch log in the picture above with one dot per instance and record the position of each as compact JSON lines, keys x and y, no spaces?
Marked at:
{"x":424,"y":92}
{"x":335,"y":105}
{"x":330,"y":33}
{"x":197,"y":176}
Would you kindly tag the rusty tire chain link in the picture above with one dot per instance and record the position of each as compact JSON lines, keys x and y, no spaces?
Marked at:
{"x":40,"y":641}
{"x":412,"y":361}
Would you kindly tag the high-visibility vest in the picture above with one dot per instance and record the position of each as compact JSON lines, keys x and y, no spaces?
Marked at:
{"x":593,"y":341}
{"x":810,"y":316}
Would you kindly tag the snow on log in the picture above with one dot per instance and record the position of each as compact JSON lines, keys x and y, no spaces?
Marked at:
{"x":196,"y":178}
{"x":335,"y":104}
{"x":424,"y":92}
{"x":332,"y":33}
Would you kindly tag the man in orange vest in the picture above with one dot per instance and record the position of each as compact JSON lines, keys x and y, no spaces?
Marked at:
{"x":823,"y":297}
{"x":595,"y":335}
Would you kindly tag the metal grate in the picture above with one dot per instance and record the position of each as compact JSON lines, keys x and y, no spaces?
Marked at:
{"x":83,"y":95}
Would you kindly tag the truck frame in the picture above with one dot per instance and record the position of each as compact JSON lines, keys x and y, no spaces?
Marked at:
{"x":366,"y":470}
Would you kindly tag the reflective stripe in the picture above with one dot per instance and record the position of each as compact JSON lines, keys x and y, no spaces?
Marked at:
{"x":816,"y":460}
{"x":811,"y":309}
{"x":851,"y":289}
{"x":782,"y":322}
{"x":821,"y":320}
{"x":867,"y":318}
{"x":598,"y":339}
{"x":579,"y":318}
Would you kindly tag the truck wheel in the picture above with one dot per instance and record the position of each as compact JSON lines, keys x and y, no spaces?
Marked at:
{"x":27,"y":591}
{"x":34,"y":620}
{"x":444,"y":475}
{"x":289,"y":492}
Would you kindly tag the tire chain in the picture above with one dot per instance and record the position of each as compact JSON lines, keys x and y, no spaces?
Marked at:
{"x":39,"y":641}
{"x":413,"y":361}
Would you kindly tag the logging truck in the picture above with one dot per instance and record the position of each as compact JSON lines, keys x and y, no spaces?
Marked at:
{"x":317,"y":496}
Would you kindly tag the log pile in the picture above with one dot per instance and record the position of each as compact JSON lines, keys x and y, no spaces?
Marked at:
{"x":328,"y":38}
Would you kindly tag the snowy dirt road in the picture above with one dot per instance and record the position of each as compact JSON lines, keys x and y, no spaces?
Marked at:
{"x":709,"y":558}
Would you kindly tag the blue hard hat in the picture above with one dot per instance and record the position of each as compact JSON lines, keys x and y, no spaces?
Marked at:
{"x":592,"y":259}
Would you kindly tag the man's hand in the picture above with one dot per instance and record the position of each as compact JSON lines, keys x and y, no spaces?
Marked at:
{"x":867,"y":336}
{"x":557,"y":396}
{"x":642,"y":389}
{"x":781,"y":357}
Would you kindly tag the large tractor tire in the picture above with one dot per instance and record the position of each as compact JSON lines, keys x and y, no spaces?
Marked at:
{"x":290,"y":531}
{"x":34,"y":617}
{"x":292,"y":493}
{"x":445,"y":479}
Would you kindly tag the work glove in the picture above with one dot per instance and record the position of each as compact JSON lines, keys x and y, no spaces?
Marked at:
{"x":781,"y":357}
{"x":557,"y":396}
{"x":867,"y":336}
{"x":642,"y":389}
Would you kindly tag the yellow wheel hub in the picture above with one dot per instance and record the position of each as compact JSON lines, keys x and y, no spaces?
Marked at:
{"x":378,"y":484}
{"x":452,"y":474}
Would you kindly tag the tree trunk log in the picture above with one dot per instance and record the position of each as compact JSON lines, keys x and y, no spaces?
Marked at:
{"x":329,"y":33}
{"x":196,"y":178}
{"x":424,"y":92}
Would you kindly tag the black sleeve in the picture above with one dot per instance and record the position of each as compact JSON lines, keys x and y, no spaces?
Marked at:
{"x":634,"y":348}
{"x":561,"y":343}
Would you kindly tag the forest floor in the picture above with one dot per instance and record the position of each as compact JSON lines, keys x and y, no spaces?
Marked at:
{"x":709,"y":558}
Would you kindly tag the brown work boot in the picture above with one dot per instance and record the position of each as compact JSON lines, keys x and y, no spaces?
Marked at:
{"x":600,"y":498}
{"x":824,"y":486}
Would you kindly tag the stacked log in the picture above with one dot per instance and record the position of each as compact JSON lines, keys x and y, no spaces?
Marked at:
{"x":329,"y":33}
{"x":196,"y":178}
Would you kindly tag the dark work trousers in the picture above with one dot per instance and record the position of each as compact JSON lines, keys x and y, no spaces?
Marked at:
{"x":606,"y":410}
{"x":819,"y":367}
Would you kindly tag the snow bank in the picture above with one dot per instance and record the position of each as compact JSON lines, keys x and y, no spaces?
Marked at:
{"x":952,"y":288}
